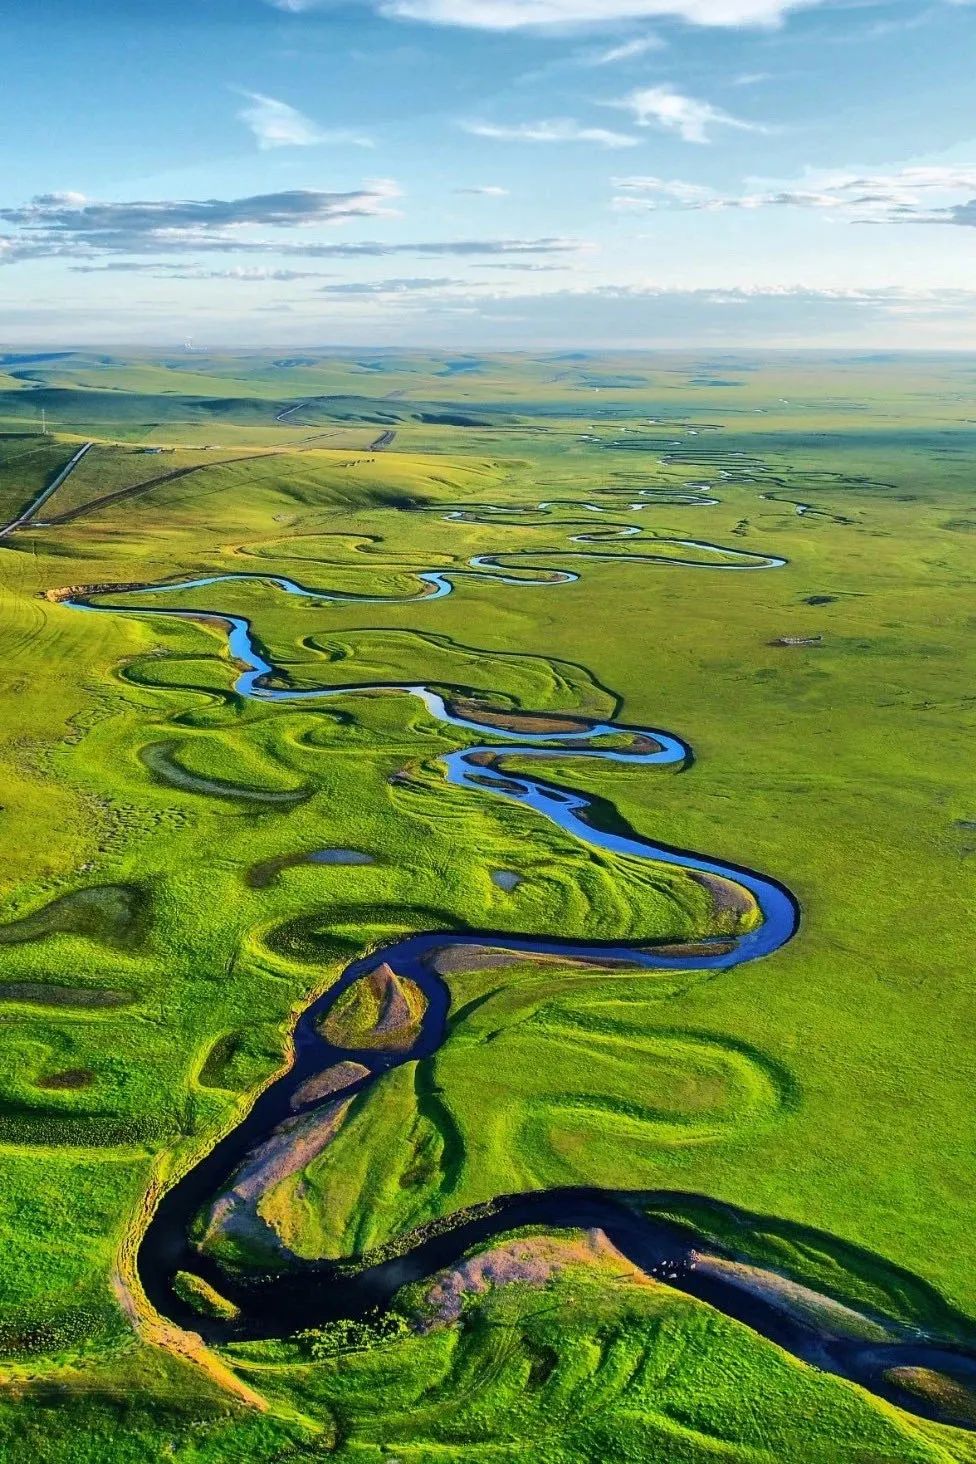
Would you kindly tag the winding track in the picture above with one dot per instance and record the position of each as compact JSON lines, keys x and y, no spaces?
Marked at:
{"x":305,"y":1294}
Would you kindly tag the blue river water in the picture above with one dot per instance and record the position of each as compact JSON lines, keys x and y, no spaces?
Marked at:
{"x":466,"y":767}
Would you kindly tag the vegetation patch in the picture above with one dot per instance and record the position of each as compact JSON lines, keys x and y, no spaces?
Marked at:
{"x":954,"y":1401}
{"x":163,"y":761}
{"x":380,"y":1010}
{"x":113,"y":915}
{"x":203,"y":1297}
{"x":68,"y":1080}
{"x":261,"y":875}
{"x":43,"y":994}
{"x":525,"y":1261}
{"x":234,"y":1226}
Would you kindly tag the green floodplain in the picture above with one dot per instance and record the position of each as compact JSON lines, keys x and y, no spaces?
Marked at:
{"x":166,"y":909}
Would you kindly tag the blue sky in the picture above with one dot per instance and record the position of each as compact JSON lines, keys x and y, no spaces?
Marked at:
{"x":476,"y":173}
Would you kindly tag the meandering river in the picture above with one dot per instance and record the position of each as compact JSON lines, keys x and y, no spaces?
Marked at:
{"x":302,"y":1294}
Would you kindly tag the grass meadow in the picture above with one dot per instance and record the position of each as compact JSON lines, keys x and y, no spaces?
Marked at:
{"x":149,"y":979}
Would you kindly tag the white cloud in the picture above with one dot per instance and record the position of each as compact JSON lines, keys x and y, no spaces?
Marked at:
{"x":963,"y":214}
{"x":523,"y":266}
{"x":411,"y":285}
{"x":639,"y":188}
{"x":521,"y":315}
{"x":909,"y":194}
{"x":180,"y":223}
{"x":485,"y":190}
{"x":60,"y":200}
{"x":276,"y":124}
{"x":664,"y":107}
{"x":556,"y":129}
{"x":67,"y":225}
{"x":626,"y":51}
{"x":504,"y":15}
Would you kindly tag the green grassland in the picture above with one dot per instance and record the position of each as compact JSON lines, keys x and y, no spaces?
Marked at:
{"x":148,"y":983}
{"x":548,"y":1078}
